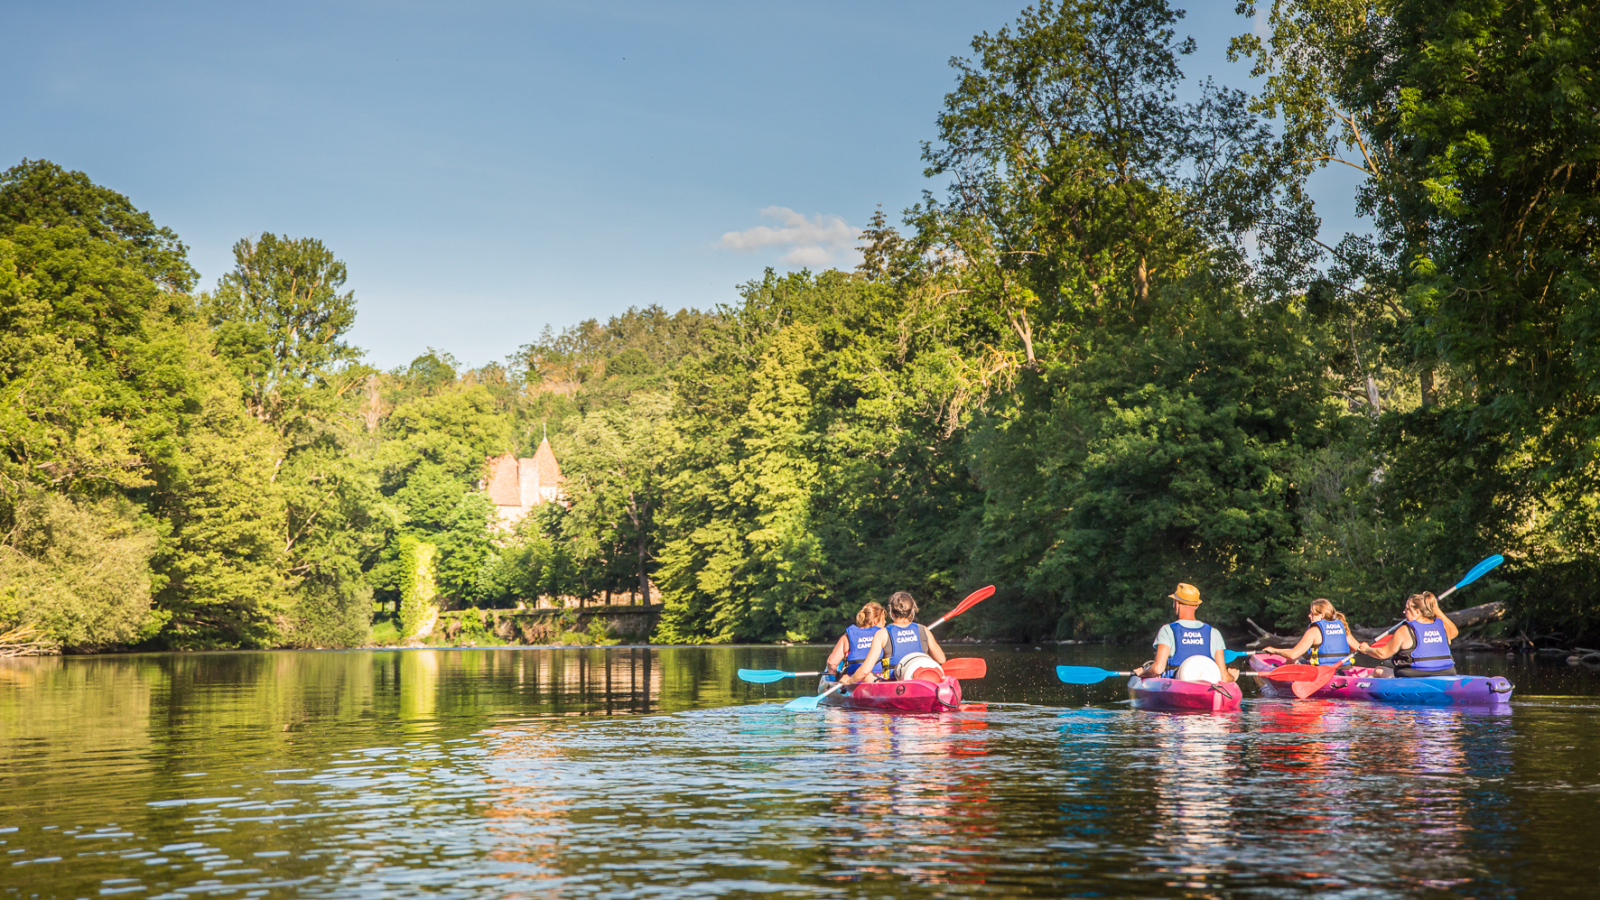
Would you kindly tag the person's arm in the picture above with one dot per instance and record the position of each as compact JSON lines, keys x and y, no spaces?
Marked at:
{"x":1163,"y":653}
{"x":879,"y":642}
{"x":1221,"y":658}
{"x":1402,"y":641}
{"x":1219,"y":655}
{"x":1450,"y":628}
{"x":934,"y":650}
{"x":1312,"y":636}
{"x":839,"y":651}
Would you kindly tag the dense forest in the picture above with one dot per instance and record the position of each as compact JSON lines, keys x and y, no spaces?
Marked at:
{"x":1115,"y":352}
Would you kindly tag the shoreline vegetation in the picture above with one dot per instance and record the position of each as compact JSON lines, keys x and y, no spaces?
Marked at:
{"x":1118,"y":353}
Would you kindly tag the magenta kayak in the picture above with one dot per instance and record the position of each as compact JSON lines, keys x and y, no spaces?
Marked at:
{"x":1170,"y":693}
{"x":897,"y":696}
{"x":1358,"y":683}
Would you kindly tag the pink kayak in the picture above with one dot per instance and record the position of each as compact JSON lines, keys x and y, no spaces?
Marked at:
{"x":1358,"y":683}
{"x":912,"y":696}
{"x":1170,"y":693}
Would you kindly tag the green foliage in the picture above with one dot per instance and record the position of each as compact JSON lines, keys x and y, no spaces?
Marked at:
{"x":221,"y":558}
{"x":78,"y":571}
{"x":282,"y":304}
{"x":41,"y":194}
{"x":474,"y":631}
{"x":1171,"y":460}
{"x":464,"y":547}
{"x":418,"y":587}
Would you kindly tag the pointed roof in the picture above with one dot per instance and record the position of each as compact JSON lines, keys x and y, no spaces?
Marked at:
{"x":502,"y":483}
{"x":544,"y":459}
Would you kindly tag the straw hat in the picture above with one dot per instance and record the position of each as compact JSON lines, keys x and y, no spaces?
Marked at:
{"x":1187,"y":594}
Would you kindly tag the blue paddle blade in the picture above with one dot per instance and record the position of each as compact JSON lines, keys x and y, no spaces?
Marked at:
{"x":1234,"y":655}
{"x":803,"y":704}
{"x":763,"y":676}
{"x":1084,"y":674}
{"x":1480,"y":569}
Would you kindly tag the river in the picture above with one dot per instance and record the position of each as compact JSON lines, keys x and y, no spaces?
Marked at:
{"x":654,"y":773}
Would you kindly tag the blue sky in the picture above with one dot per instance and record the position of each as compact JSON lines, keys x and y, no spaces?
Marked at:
{"x":488,"y":168}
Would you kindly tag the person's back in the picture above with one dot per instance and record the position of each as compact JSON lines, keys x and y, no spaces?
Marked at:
{"x":1185,"y":639}
{"x":853,"y":648}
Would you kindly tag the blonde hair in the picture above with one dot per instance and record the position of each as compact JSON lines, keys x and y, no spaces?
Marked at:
{"x":871,"y":614}
{"x":1322,"y":608}
{"x":1425,"y":605}
{"x":902,"y":606}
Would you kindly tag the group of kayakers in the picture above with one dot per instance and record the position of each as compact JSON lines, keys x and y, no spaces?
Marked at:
{"x":890,"y":644}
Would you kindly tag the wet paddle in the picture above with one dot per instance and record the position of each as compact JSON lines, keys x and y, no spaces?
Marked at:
{"x":1304,"y":689}
{"x":768,"y":676}
{"x":1086,"y":674}
{"x":805,"y":704}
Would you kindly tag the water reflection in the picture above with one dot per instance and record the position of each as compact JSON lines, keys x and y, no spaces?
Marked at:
{"x":634,"y":772}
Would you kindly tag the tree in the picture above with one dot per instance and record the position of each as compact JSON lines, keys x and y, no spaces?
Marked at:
{"x":617,"y":462}
{"x":42,"y":194}
{"x":1079,"y":185}
{"x":79,"y":571}
{"x":282,"y":301}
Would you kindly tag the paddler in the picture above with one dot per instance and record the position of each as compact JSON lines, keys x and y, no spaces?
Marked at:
{"x":908,"y":647}
{"x":1421,"y":647}
{"x":1327,"y":640}
{"x":856,"y":642}
{"x":1179,"y":641}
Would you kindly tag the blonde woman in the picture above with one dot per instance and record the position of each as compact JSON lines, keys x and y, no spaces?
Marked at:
{"x":856,"y":642}
{"x":1421,"y":647}
{"x":1327,"y":639}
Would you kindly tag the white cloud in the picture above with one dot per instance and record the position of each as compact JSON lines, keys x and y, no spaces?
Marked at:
{"x":813,"y":243}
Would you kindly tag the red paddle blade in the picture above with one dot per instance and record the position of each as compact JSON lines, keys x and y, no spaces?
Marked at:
{"x":973,"y":599}
{"x":1383,"y":640}
{"x":1304,"y":689}
{"x":966,"y":667}
{"x":1294,"y":672}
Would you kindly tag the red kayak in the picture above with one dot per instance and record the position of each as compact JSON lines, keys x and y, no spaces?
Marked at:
{"x":914,"y":696}
{"x":1172,"y":694}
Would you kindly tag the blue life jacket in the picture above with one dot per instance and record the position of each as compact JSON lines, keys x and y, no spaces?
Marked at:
{"x":859,"y":641}
{"x":904,"y":640}
{"x":1335,"y":643}
{"x":1188,"y":642}
{"x":1432,"y":650}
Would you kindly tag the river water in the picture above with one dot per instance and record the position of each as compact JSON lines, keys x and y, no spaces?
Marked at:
{"x":654,"y":773}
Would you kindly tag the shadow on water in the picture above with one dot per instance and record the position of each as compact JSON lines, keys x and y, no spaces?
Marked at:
{"x":653,"y":771}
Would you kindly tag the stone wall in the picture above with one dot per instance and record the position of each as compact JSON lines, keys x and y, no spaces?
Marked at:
{"x":629,"y":624}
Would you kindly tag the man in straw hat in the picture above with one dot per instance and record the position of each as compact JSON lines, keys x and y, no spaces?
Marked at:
{"x":1187,"y":638}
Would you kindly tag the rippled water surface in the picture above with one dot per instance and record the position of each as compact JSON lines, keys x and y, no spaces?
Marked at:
{"x":654,"y":773}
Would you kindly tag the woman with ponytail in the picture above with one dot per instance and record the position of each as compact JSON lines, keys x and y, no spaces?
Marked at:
{"x":1421,"y":647}
{"x":1327,"y":640}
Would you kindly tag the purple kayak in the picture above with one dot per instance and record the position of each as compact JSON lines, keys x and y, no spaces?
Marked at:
{"x":1358,"y":683}
{"x":1172,"y":694}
